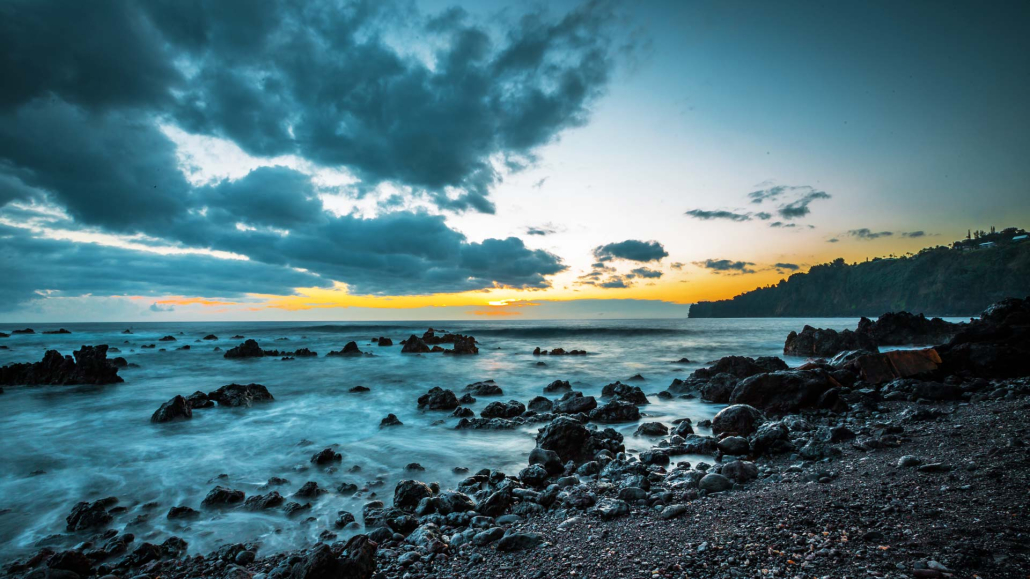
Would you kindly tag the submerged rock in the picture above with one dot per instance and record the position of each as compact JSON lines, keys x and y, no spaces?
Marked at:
{"x":86,"y":515}
{"x":220,"y":497}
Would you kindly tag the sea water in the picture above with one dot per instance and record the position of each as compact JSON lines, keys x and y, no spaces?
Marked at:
{"x":65,"y":444}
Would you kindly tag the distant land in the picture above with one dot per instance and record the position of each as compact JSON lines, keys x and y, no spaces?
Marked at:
{"x":957,"y":280}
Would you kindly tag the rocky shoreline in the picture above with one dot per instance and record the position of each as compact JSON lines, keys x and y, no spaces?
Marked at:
{"x":868,"y":465}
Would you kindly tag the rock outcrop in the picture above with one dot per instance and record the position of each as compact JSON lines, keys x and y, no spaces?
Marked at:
{"x":240,"y":395}
{"x":89,"y":366}
{"x":905,"y":329}
{"x":816,"y":342}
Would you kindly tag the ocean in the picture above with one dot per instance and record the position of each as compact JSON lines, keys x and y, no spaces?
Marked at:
{"x":65,"y":444}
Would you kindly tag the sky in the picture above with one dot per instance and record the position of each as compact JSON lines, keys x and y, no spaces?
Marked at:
{"x":324,"y":160}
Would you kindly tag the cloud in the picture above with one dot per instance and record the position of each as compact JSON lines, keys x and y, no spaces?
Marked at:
{"x":779,"y":224}
{"x":545,"y":229}
{"x":787,"y":266}
{"x":726,"y":266}
{"x":727,"y":215}
{"x":676,"y":265}
{"x":832,"y":240}
{"x":38,"y":268}
{"x":913,"y":234}
{"x":540,"y":183}
{"x":615,"y":283}
{"x":865,"y":233}
{"x":644,"y":272}
{"x":768,"y":194}
{"x":799,"y":207}
{"x":155,"y":307}
{"x":631,"y":250}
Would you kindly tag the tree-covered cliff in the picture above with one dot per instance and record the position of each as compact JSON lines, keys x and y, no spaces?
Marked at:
{"x":937,"y":282}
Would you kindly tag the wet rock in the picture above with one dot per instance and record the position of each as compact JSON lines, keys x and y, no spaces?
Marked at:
{"x":719,"y":388}
{"x":294,"y":508}
{"x":210,"y":337}
{"x":509,"y":409}
{"x":263,"y":502}
{"x":909,"y":461}
{"x":905,"y":329}
{"x":343,"y":519}
{"x":683,"y":428}
{"x":326,"y":456}
{"x":615,"y":411}
{"x":414,"y":345}
{"x":220,"y":497}
{"x":167,"y":339}
{"x":175,"y":409}
{"x":484,"y":388}
{"x":739,"y":471}
{"x":182,"y":512}
{"x":87,"y":365}
{"x":240,"y":395}
{"x":734,"y":445}
{"x":349,"y":349}
{"x":558,"y":386}
{"x":199,"y":400}
{"x":359,"y":389}
{"x":608,"y":509}
{"x":880,"y":368}
{"x":408,"y":493}
{"x":462,"y":412}
{"x":652,"y":429}
{"x":740,"y":367}
{"x":784,"y":392}
{"x":624,"y":392}
{"x":390,"y":420}
{"x":815,"y":342}
{"x":488,"y":536}
{"x":383,"y":341}
{"x":74,"y":561}
{"x":571,"y":440}
{"x":549,"y":459}
{"x":496,"y":503}
{"x":575,"y":403}
{"x":533,"y":475}
{"x":541,"y":404}
{"x":463,"y":345}
{"x":771,"y":437}
{"x":309,"y":490}
{"x":740,"y":419}
{"x":248,"y":349}
{"x":488,"y":424}
{"x":86,"y":515}
{"x":438,"y":399}
{"x":357,"y":561}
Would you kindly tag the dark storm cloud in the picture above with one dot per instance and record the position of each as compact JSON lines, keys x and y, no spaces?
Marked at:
{"x":787,"y":266}
{"x":34,"y":265}
{"x":86,"y":86}
{"x":726,"y":266}
{"x":631,"y":250}
{"x":644,"y":272}
{"x":799,"y":207}
{"x":727,"y":215}
{"x":865,"y":233}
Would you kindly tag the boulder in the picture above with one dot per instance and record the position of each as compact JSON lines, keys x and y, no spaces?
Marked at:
{"x":540,"y":404}
{"x":558,"y":386}
{"x":741,"y":367}
{"x":624,"y":392}
{"x":408,"y":493}
{"x":740,"y":419}
{"x":815,"y":342}
{"x":175,"y":409}
{"x":880,"y":368}
{"x":905,"y":329}
{"x":390,"y":420}
{"x":240,"y":395}
{"x":719,"y":388}
{"x":414,"y":345}
{"x":463,"y":345}
{"x":248,"y":349}
{"x":739,"y":471}
{"x":438,"y":399}
{"x":616,"y":410}
{"x":86,"y":515}
{"x":87,"y":365}
{"x":509,"y":409}
{"x":220,"y":497}
{"x":652,"y":429}
{"x":783,"y":392}
{"x":383,"y":341}
{"x":484,"y":388}
{"x":734,"y":445}
{"x":996,"y":346}
{"x":573,"y":441}
{"x":326,"y":456}
{"x":357,"y":561}
{"x":349,"y":349}
{"x":574,"y":403}
{"x":714,"y":483}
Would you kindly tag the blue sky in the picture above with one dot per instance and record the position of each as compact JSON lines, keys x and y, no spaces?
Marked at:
{"x":176,"y":160}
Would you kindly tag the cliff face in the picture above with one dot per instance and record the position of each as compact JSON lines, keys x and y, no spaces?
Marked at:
{"x":936,"y":282}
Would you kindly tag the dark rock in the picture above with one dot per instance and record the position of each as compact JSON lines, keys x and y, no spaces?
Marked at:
{"x":783,"y":392}
{"x":624,"y":392}
{"x":719,"y":388}
{"x":905,"y":329}
{"x":615,"y":410}
{"x":326,"y":456}
{"x":496,"y":503}
{"x":558,"y":386}
{"x":571,"y":440}
{"x":509,"y":409}
{"x":734,"y":445}
{"x":408,"y":493}
{"x":683,"y":428}
{"x":263,"y":502}
{"x":739,"y":471}
{"x":357,"y":389}
{"x":815,"y":342}
{"x":86,"y":515}
{"x":438,"y":399}
{"x":487,"y":424}
{"x":652,"y":429}
{"x":25,"y":331}
{"x":52,"y":332}
{"x":414,"y":345}
{"x":463,"y":345}
{"x":740,"y":419}
{"x":248,"y":349}
{"x":462,"y":412}
{"x":167,"y":339}
{"x":741,"y":367}
{"x":89,"y":366}
{"x":519,"y":542}
{"x":349,"y":349}
{"x":715,"y":483}
{"x":210,"y":337}
{"x":175,"y":409}
{"x":549,"y":459}
{"x":309,"y":490}
{"x":222,"y":497}
{"x":382,"y":341}
{"x":294,"y":508}
{"x":575,"y":403}
{"x":996,"y":346}
{"x":74,"y":561}
{"x":357,"y":561}
{"x":182,"y":512}
{"x":390,"y":420}
{"x":484,"y":388}
{"x":240,"y":395}
{"x":541,"y":404}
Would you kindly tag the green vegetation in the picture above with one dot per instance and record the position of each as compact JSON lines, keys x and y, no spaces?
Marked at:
{"x":937,"y":281}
